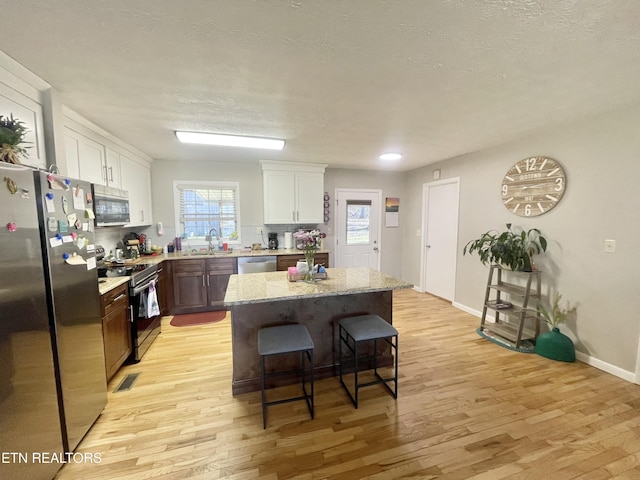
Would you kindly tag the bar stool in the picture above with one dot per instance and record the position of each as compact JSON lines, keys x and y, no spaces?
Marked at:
{"x":354,"y":332}
{"x":285,"y":339}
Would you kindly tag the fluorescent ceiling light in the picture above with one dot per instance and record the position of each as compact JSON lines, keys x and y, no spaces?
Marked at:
{"x":230,"y":140}
{"x":390,"y":156}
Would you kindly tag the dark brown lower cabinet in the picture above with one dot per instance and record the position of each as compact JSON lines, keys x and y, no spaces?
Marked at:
{"x":115,"y":328}
{"x":164,"y":285}
{"x":283,"y":262}
{"x":218,"y":272}
{"x":200,"y":284}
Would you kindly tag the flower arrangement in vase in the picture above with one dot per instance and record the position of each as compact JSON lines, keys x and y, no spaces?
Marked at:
{"x":310,"y":242}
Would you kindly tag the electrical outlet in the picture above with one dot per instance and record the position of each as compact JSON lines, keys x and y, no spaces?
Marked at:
{"x":259,"y":230}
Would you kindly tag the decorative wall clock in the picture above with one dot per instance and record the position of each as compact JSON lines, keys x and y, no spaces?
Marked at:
{"x":533,"y":186}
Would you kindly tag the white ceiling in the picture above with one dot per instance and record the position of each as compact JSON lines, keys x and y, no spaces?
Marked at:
{"x":341,"y":81}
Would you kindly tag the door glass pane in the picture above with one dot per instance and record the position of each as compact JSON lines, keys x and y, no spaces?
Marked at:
{"x":358,"y":222}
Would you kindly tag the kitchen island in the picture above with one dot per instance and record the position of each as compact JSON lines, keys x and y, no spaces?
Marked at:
{"x":261,"y":300}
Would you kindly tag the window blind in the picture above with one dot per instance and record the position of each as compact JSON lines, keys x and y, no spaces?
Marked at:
{"x":206,"y":207}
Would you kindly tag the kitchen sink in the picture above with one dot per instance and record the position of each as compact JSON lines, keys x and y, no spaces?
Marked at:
{"x":212,"y":253}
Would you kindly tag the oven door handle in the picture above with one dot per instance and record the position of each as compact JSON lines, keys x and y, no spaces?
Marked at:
{"x":141,"y":288}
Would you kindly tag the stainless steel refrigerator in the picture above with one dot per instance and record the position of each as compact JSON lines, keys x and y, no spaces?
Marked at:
{"x":52,"y":371}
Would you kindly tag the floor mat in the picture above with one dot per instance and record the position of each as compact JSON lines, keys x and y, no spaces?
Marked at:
{"x":190,"y":319}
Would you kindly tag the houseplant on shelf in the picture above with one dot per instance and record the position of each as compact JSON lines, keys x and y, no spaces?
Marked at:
{"x":553,"y":344}
{"x":310,"y":242}
{"x":509,"y":249}
{"x":12,"y":133}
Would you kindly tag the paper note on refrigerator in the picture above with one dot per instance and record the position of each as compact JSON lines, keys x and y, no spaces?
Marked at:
{"x":55,"y":241}
{"x":78,"y":199}
{"x":75,"y":259}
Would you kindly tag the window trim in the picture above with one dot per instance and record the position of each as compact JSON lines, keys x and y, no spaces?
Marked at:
{"x":209,"y":184}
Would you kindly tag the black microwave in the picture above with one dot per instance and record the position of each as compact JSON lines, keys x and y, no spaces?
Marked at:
{"x":110,"y":206}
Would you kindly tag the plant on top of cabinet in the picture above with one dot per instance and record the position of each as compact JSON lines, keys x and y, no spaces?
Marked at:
{"x":12,"y":133}
{"x":509,"y":249}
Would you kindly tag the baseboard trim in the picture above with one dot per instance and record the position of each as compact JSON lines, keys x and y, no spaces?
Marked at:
{"x":580,"y":356}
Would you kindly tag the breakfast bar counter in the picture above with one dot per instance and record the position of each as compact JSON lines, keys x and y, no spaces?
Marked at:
{"x":261,"y":300}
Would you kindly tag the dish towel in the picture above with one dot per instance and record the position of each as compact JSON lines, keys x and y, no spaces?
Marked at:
{"x":153,"y":308}
{"x":142,"y":308}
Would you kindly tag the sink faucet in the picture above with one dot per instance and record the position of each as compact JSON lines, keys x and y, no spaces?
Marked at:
{"x":210,"y":238}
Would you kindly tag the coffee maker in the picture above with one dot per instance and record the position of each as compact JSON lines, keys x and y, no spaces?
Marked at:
{"x":273,"y":241}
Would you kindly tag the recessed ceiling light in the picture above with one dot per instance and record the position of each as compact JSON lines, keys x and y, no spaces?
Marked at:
{"x":230,"y":140}
{"x":390,"y":156}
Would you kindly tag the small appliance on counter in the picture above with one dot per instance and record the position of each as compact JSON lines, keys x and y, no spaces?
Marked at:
{"x":273,"y":241}
{"x":132,"y":246}
{"x":288,"y":239}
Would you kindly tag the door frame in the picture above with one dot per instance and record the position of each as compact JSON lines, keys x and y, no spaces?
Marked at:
{"x":372,"y":191}
{"x":425,"y":221}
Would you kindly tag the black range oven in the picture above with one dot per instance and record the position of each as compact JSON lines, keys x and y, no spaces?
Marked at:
{"x":145,"y":325}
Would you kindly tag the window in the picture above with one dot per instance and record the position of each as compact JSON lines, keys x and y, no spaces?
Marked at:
{"x":202,"y":206}
{"x":358,"y":222}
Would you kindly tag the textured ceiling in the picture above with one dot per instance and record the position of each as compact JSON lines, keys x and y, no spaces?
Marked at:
{"x":341,"y":81}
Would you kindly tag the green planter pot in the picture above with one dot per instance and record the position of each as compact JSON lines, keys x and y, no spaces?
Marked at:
{"x":556,"y":346}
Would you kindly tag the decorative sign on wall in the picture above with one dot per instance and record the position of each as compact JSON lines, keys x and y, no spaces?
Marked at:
{"x":326,"y":208}
{"x":392,"y":208}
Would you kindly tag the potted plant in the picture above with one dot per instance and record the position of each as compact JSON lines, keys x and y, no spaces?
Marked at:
{"x":509,"y":249}
{"x":12,"y":133}
{"x":553,"y":344}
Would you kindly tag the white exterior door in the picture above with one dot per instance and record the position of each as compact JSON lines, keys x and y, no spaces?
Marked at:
{"x":440,"y":237}
{"x":358,"y":221}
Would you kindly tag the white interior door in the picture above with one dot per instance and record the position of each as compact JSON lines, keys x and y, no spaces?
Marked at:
{"x":358,"y":228}
{"x":440,"y":237}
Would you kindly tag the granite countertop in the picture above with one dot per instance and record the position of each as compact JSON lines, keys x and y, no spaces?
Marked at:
{"x":236,"y":253}
{"x":274,"y":286}
{"x":113,"y":282}
{"x":110,"y":283}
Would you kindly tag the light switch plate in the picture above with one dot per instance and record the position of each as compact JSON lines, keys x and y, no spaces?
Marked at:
{"x":610,"y":246}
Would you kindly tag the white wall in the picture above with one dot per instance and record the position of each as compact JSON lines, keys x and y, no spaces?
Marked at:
{"x":600,"y":156}
{"x":247,"y":174}
{"x":392,"y":185}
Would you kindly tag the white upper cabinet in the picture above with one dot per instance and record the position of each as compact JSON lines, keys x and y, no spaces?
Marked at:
{"x":293,"y":192}
{"x":136,"y":179}
{"x":95,"y":156}
{"x":89,"y":160}
{"x":309,"y":195}
{"x":29,"y":112}
{"x":112,"y":170}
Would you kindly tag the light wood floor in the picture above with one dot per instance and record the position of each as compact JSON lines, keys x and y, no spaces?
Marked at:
{"x":466,"y":409}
